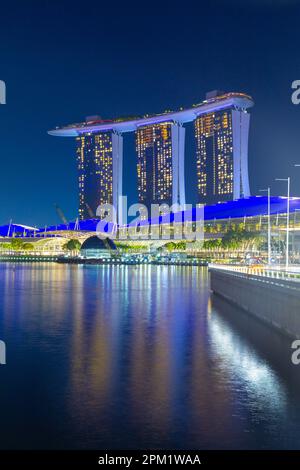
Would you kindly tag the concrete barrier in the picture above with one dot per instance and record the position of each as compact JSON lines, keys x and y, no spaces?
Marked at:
{"x":274,"y":301}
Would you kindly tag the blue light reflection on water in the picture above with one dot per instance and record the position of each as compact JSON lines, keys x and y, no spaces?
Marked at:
{"x":138,"y":357}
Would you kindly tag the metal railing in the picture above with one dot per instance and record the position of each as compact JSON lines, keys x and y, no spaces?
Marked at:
{"x":273,"y":273}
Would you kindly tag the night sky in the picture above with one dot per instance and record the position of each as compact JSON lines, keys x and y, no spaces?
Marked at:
{"x":62,"y":61}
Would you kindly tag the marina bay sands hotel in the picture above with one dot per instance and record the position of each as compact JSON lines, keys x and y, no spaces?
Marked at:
{"x":221,"y":126}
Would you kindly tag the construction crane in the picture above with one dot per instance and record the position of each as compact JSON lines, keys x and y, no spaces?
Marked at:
{"x":90,"y":212}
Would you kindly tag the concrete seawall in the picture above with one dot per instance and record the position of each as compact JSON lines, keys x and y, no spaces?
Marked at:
{"x":274,"y":301}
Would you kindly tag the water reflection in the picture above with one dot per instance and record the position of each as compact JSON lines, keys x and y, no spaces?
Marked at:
{"x":138,"y":357}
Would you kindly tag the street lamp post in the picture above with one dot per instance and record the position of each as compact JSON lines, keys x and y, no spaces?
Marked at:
{"x":297,"y":165}
{"x":268,"y":190}
{"x":288,"y":180}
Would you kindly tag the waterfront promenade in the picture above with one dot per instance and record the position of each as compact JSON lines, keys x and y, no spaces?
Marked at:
{"x":272,"y":295}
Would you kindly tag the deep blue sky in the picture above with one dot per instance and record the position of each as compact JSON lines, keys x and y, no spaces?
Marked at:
{"x":64,"y":60}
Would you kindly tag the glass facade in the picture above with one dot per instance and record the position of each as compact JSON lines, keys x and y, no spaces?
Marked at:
{"x":95,"y":172}
{"x":214,"y":153}
{"x":154,"y":163}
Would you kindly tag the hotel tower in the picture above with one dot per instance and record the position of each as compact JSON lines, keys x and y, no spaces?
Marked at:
{"x":99,"y":161}
{"x":222,"y":154}
{"x":221,"y":124}
{"x":160,"y":164}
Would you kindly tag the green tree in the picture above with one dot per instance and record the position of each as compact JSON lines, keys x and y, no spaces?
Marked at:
{"x":16,"y":244}
{"x":27,"y":246}
{"x":170,"y":246}
{"x":73,"y":246}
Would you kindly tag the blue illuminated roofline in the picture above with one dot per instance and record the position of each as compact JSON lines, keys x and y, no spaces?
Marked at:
{"x":254,"y":206}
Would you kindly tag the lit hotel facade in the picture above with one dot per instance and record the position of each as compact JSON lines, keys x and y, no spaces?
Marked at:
{"x":160,"y":164}
{"x":99,"y":162}
{"x":222,"y":155}
{"x":221,"y":124}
